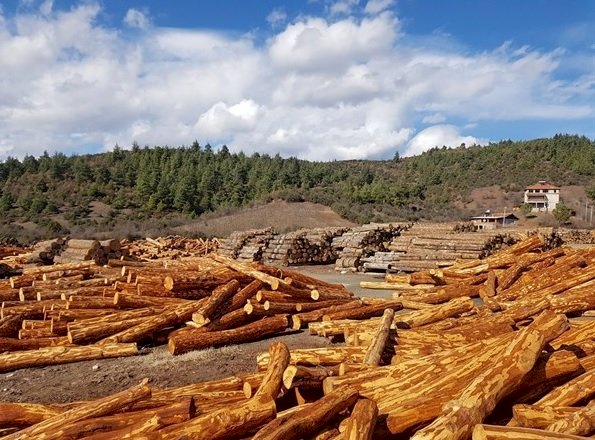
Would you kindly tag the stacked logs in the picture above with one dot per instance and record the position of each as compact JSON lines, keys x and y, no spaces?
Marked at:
{"x":68,"y":312}
{"x":363,"y":241}
{"x":85,"y":250}
{"x":520,"y":364}
{"x":45,"y":251}
{"x":246,"y":245}
{"x":305,"y":246}
{"x":172,"y":246}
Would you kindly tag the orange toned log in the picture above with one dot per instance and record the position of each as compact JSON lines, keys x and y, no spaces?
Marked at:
{"x":307,"y":377}
{"x":91,"y":333}
{"x":62,"y":355}
{"x":493,"y":432}
{"x":148,"y":424}
{"x":234,"y":422}
{"x":363,"y":312}
{"x":134,"y":301}
{"x":540,"y":417}
{"x":310,"y":420}
{"x":480,"y":397}
{"x":376,"y":348}
{"x":178,"y":412}
{"x":273,"y":378}
{"x":96,"y":408}
{"x":13,"y":344}
{"x":9,"y":326}
{"x":191,"y":340}
{"x":25,"y":414}
{"x":362,"y":421}
{"x":171,"y":315}
{"x":580,"y":422}
{"x":209,"y":308}
{"x":249,"y":271}
{"x":300,"y":320}
{"x":419,"y":318}
{"x":239,"y":299}
{"x":573,"y":391}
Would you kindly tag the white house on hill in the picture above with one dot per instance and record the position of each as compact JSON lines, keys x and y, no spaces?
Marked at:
{"x":542,"y":196}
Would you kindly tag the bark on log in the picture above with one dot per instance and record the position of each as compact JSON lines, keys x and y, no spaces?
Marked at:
{"x":300,"y":320}
{"x":573,"y":391}
{"x":50,"y":428}
{"x":310,"y":420}
{"x":492,"y":432}
{"x":149,"y":423}
{"x":25,"y":414}
{"x":540,"y":417}
{"x":249,"y":271}
{"x":61,"y":355}
{"x":9,"y":326}
{"x":581,"y":422}
{"x":273,"y":378}
{"x":362,"y":421}
{"x":363,"y":312}
{"x":92,"y":333}
{"x":191,"y":340}
{"x":376,"y":348}
{"x":419,"y":318}
{"x":213,"y":302}
{"x":14,"y":345}
{"x":480,"y":397}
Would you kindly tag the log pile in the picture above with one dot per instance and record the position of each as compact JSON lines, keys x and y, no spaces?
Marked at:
{"x":171,"y":247}
{"x":363,"y":241}
{"x":520,"y":364}
{"x":90,"y":250}
{"x":73,"y":311}
{"x":246,"y":245}
{"x":578,"y":236}
{"x":45,"y":251}
{"x":305,"y":246}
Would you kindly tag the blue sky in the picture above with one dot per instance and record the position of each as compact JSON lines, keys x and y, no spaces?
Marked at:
{"x":317,"y":79}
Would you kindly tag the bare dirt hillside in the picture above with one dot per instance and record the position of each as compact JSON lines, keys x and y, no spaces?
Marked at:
{"x":280,"y":215}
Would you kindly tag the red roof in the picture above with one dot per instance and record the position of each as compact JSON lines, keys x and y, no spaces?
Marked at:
{"x":542,"y":185}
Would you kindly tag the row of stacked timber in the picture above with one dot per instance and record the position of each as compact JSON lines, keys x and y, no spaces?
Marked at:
{"x":361,"y":242}
{"x":84,"y":250}
{"x":246,"y":245}
{"x":172,"y":246}
{"x":45,"y":251}
{"x":305,"y":246}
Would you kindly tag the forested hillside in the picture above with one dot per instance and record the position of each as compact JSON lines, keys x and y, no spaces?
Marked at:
{"x":156,"y":181}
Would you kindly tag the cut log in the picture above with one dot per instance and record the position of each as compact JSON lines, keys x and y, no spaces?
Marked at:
{"x":9,"y":326}
{"x":213,"y":302}
{"x":581,"y":422}
{"x":273,"y":378}
{"x":362,"y":421}
{"x":376,"y":348}
{"x":191,"y":340}
{"x":310,"y":420}
{"x":363,"y":312}
{"x":492,"y":432}
{"x":62,"y":355}
{"x":573,"y":391}
{"x":419,"y":318}
{"x":251,"y":272}
{"x":25,"y":414}
{"x":540,"y":417}
{"x":50,"y":428}
{"x":91,"y":333}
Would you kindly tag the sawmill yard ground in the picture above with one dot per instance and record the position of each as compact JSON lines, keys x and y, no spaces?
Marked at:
{"x":93,"y":379}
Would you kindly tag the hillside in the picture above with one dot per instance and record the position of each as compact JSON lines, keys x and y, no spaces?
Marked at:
{"x":144,"y":189}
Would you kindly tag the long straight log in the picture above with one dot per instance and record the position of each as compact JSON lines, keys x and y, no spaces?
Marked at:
{"x":61,"y":355}
{"x":364,"y":311}
{"x":492,"y":432}
{"x":540,"y":417}
{"x":581,"y":422}
{"x":149,"y":423}
{"x":249,"y":271}
{"x":213,"y":302}
{"x":92,"y":333}
{"x":273,"y":379}
{"x":9,"y":326}
{"x":50,"y":428}
{"x":300,"y":320}
{"x":190,"y":340}
{"x":376,"y":348}
{"x":308,"y":421}
{"x":419,"y":318}
{"x":25,"y":414}
{"x":360,"y":424}
{"x":14,"y":345}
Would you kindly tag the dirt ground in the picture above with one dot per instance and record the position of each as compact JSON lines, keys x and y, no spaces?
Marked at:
{"x":94,"y":379}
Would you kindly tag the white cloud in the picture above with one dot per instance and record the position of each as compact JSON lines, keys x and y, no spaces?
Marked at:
{"x":343,"y":7}
{"x":376,"y":6}
{"x":439,"y":136}
{"x":277,"y":17}
{"x":137,"y":19}
{"x":319,"y":88}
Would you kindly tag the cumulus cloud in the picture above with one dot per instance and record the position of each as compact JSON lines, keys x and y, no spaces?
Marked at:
{"x":343,"y":7}
{"x":439,"y":136}
{"x":137,"y":19}
{"x":337,"y":87}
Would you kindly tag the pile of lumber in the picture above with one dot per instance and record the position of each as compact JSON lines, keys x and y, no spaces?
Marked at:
{"x":577,"y":236}
{"x":363,"y":241}
{"x":434,"y":245}
{"x":246,"y":245}
{"x":85,"y":250}
{"x":519,"y":364}
{"x":69,"y":312}
{"x":172,"y":247}
{"x":305,"y":246}
{"x":44,"y":251}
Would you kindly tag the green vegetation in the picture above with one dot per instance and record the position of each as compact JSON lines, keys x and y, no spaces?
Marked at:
{"x":144,"y":183}
{"x":562,"y":213}
{"x":526,"y":208}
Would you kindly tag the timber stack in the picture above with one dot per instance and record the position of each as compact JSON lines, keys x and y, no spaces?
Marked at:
{"x":80,"y":310}
{"x":171,"y":247}
{"x":246,"y":245}
{"x":520,"y":364}
{"x":363,"y":241}
{"x":305,"y":246}
{"x":44,"y":251}
{"x":90,"y":250}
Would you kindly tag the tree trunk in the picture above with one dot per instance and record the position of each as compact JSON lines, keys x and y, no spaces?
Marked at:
{"x":491,"y":432}
{"x":214,"y":302}
{"x":362,"y":421}
{"x":191,"y":340}
{"x":310,"y":420}
{"x":376,"y":348}
{"x":62,"y":355}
